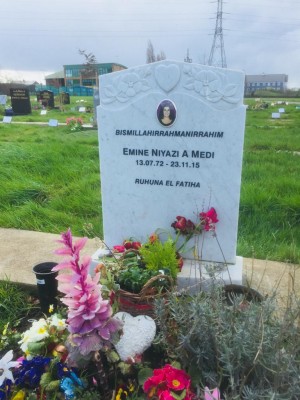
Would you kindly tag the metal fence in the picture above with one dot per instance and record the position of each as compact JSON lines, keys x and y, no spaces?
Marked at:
{"x":74,"y":90}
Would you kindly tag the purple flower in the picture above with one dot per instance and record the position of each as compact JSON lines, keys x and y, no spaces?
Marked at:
{"x":90,"y":319}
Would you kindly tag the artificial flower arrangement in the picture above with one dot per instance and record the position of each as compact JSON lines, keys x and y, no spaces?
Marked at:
{"x":133,"y":263}
{"x":74,"y":123}
{"x":76,"y":356}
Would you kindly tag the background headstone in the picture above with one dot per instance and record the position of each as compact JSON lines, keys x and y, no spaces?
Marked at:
{"x":46,"y":97}
{"x":96,"y":103}
{"x":43,"y":112}
{"x":20,"y":101}
{"x":171,"y":143}
{"x":65,"y":98}
{"x":3,"y":99}
{"x":281,"y":110}
{"x":81,"y":109}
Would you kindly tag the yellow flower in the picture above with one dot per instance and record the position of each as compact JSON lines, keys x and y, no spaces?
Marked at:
{"x":51,"y":308}
{"x":20,"y":395}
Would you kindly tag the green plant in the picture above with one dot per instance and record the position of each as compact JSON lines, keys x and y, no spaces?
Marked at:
{"x":243,"y":347}
{"x":134,"y":278}
{"x":15,"y":306}
{"x":159,"y":255}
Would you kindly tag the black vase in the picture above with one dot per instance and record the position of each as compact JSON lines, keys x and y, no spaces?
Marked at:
{"x":47,"y":285}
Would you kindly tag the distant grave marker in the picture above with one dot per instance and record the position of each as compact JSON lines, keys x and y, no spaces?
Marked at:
{"x":275,"y":115}
{"x":81,"y":109}
{"x":281,"y":110}
{"x":20,"y":101}
{"x":7,"y":120}
{"x":53,"y":122}
{"x":43,"y":112}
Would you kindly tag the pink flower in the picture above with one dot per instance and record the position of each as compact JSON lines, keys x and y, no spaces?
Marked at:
{"x":90,"y":319}
{"x":209,"y":219}
{"x":119,"y":249}
{"x":167,"y":382}
{"x":211,"y":394}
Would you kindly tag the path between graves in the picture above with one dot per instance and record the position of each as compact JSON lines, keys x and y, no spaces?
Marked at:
{"x":20,"y":250}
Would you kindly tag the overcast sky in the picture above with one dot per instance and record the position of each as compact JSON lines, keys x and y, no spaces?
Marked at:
{"x":259,"y":35}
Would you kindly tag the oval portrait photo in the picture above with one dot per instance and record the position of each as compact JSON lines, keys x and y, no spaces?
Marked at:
{"x":166,"y":112}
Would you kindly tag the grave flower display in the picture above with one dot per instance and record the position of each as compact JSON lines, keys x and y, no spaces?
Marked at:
{"x":74,"y":123}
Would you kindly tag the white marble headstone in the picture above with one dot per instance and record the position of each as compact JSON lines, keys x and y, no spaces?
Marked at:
{"x":281,"y":110}
{"x":171,"y":142}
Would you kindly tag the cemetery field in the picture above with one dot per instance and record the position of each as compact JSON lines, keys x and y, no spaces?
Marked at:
{"x":60,"y":112}
{"x":51,"y":181}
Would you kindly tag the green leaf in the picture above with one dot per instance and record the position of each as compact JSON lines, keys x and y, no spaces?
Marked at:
{"x":177,"y":395}
{"x":144,"y":374}
{"x":35,"y":348}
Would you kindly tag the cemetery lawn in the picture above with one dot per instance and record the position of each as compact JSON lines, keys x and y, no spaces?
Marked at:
{"x":50,"y":181}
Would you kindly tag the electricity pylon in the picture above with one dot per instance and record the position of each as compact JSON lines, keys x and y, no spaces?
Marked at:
{"x":217,"y":56}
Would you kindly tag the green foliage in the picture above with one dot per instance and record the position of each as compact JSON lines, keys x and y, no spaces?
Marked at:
{"x":134,"y":278}
{"x":243,"y":347}
{"x":14,"y":306}
{"x":50,"y":179}
{"x":159,"y":255}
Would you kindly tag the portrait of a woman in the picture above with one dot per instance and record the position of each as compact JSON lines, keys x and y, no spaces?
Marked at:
{"x":166,"y":112}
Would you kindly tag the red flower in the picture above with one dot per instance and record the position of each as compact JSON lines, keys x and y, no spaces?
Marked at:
{"x":178,"y":380}
{"x":209,"y":219}
{"x":128,"y":244}
{"x":167,"y":381}
{"x":119,"y":249}
{"x":136,"y":245}
{"x":185,"y":226}
{"x":166,"y":395}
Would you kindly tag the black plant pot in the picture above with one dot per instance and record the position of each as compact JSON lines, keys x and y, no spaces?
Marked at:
{"x":47,"y":285}
{"x":249,"y":294}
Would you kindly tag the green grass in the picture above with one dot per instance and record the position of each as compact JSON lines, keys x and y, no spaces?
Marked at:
{"x":269,"y":222}
{"x":50,"y":181}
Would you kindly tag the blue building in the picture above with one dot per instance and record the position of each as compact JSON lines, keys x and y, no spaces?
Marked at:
{"x":254,"y":83}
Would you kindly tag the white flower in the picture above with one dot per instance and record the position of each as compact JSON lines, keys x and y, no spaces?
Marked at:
{"x":5,"y":365}
{"x":59,"y":323}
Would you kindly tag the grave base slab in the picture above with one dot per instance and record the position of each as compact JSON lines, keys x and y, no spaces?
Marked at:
{"x":199,"y":275}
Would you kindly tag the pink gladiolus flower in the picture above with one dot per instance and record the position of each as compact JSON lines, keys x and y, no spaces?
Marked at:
{"x":90,"y":321}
